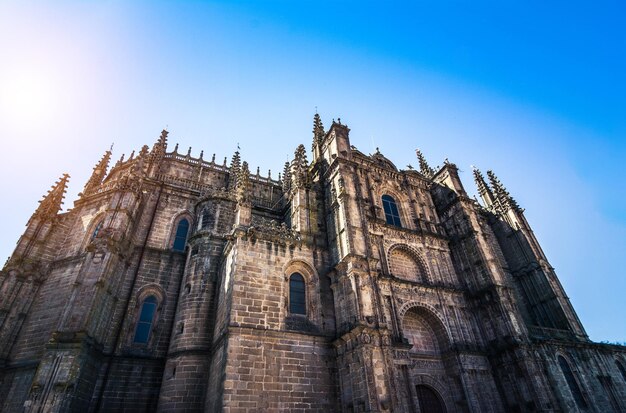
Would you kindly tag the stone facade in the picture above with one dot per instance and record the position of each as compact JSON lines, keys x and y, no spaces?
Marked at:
{"x":179,"y":284}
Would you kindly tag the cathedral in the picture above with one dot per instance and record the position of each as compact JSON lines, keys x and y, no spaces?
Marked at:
{"x":181,"y":284}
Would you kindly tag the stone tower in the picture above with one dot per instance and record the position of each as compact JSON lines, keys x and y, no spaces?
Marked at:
{"x":180,"y":284}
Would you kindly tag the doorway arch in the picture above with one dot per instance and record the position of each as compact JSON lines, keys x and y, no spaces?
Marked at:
{"x":429,"y":400}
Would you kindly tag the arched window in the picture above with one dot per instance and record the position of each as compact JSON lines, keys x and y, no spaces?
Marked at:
{"x":146,"y":318}
{"x":392,"y":216}
{"x":97,"y":229}
{"x":621,"y":369}
{"x":181,"y":235}
{"x":572,"y":383}
{"x":297,"y":294}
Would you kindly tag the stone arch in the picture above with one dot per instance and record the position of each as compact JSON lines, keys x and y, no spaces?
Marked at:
{"x":94,"y":227}
{"x":406,"y":263}
{"x":142,"y":294}
{"x":173,"y":226}
{"x":429,"y":317}
{"x":151,"y":289}
{"x":436,"y":386}
{"x":570,"y":373}
{"x":299,"y":265}
{"x":312,"y":296}
{"x":402,"y":202}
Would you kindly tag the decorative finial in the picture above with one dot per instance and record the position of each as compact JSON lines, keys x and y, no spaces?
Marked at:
{"x":318,"y":131}
{"x":502,"y":195}
{"x":425,"y":168}
{"x":243,"y":183}
{"x":286,"y":178}
{"x":483,"y":189}
{"x":300,"y":167}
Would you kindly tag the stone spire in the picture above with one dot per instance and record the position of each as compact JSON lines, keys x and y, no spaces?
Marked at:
{"x":287,"y":178}
{"x":158,"y":152}
{"x":425,"y":169}
{"x":503,"y":197}
{"x":119,"y":161}
{"x":98,"y":174}
{"x":160,"y":145}
{"x":483,"y":189}
{"x":50,"y":205}
{"x":243,"y":184}
{"x":300,"y":167}
{"x":140,"y":161}
{"x":235,"y":167}
{"x":318,"y":131}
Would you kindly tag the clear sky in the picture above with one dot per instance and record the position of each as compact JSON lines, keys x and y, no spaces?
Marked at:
{"x":535,"y":91}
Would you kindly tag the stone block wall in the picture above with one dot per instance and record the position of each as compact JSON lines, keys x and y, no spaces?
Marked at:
{"x":134,"y":385}
{"x":279,"y":371}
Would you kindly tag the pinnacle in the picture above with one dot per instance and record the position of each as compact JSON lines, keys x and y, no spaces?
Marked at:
{"x":318,"y":130}
{"x":425,"y":168}
{"x":98,"y":174}
{"x":502,"y":195}
{"x":50,"y":205}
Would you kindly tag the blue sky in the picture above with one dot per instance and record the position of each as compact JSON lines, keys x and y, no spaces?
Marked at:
{"x":534,"y":91}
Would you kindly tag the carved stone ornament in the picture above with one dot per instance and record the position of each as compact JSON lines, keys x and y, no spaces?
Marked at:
{"x":270,"y":230}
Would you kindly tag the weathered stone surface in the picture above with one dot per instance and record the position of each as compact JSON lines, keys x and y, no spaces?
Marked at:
{"x":170,"y":286}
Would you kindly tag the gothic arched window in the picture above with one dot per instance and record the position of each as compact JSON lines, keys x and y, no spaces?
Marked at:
{"x":297,"y":294}
{"x":392,"y":216}
{"x":572,"y":383}
{"x":146,"y":318}
{"x":96,"y":230}
{"x":181,"y":235}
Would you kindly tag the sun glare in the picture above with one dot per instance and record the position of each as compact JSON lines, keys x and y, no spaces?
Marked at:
{"x":27,"y":97}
